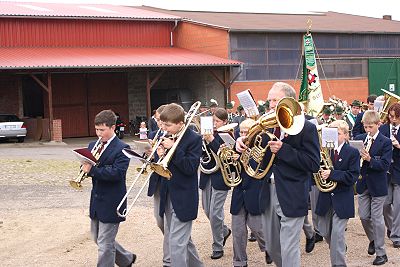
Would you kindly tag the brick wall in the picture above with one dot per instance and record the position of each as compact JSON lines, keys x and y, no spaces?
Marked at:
{"x":344,"y":89}
{"x":204,"y":39}
{"x":136,"y":94}
{"x":57,"y":131}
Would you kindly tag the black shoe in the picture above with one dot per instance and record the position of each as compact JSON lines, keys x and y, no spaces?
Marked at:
{"x":380,"y":260}
{"x":396,"y":244}
{"x":252,"y":238}
{"x":318,"y":238}
{"x":268,"y":258}
{"x":388,"y":232}
{"x":371,"y":248}
{"x":217,"y":254}
{"x":133,"y":260}
{"x":310,"y":244}
{"x":226,"y":237}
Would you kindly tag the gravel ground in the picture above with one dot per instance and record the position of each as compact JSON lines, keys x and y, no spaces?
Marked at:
{"x":44,"y":222}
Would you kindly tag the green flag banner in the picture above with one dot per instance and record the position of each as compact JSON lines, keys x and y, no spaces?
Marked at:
{"x":310,"y":88}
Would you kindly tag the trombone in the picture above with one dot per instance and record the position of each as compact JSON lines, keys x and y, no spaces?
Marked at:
{"x":142,"y":170}
{"x":161,"y":167}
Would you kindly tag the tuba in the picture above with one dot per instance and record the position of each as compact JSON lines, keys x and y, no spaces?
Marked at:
{"x":289,"y":117}
{"x":227,"y":159}
{"x":161,"y":167}
{"x":326,"y":164}
{"x":390,"y":99}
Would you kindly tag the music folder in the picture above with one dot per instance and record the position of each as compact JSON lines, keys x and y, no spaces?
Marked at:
{"x":84,"y":155}
{"x":227,"y":138}
{"x":133,"y":155}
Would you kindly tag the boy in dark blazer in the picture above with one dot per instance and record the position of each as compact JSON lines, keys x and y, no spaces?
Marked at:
{"x":214,"y":189}
{"x":179,"y":196}
{"x":391,"y":208}
{"x":372,"y":189}
{"x":109,"y":187}
{"x":336,"y":207}
{"x":246,"y":211}
{"x":154,"y":190}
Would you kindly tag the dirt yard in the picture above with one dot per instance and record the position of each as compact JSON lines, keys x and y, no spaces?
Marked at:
{"x":44,"y":222}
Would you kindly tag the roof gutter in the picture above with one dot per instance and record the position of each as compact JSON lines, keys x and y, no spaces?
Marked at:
{"x":172,"y":36}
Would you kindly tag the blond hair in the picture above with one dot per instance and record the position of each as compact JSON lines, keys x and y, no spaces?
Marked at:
{"x":247,"y":123}
{"x":370,"y":117}
{"x":341,"y":125}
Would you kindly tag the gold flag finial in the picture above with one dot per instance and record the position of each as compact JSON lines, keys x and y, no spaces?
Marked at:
{"x":309,"y":24}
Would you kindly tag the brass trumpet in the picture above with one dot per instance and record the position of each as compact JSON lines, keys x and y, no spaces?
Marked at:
{"x":77,"y":182}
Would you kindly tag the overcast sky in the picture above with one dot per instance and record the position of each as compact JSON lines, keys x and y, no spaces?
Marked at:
{"x":357,"y":7}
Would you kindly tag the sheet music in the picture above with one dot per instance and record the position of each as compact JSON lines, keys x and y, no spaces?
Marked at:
{"x":133,"y":155}
{"x":329,"y":136}
{"x":248,"y":103}
{"x":84,"y":155}
{"x":359,"y":144}
{"x":227,"y":138}
{"x":206,"y":125}
{"x":378,"y":105}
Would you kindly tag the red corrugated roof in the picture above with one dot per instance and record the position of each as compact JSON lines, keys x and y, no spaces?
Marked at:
{"x":112,"y":57}
{"x":25,"y":9}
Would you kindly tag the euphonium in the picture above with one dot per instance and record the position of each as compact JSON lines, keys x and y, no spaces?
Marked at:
{"x":288,"y":116}
{"x":228,"y":161}
{"x":325,"y":164}
{"x":390,"y":99}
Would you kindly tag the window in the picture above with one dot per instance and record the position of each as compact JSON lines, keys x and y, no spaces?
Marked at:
{"x":277,"y":56}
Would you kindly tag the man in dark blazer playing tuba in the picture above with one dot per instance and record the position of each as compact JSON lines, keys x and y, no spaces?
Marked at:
{"x":287,"y":182}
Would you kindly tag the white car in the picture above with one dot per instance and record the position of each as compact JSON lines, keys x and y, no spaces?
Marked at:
{"x":12,"y":127}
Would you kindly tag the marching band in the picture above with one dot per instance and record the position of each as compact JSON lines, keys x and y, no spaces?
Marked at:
{"x":279,"y":163}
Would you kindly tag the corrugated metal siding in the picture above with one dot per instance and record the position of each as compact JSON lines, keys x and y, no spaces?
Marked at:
{"x":70,"y":103}
{"x":85,"y":33}
{"x":107,"y":91}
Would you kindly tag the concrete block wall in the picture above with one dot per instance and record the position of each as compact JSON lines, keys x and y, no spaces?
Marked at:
{"x":136,"y":94}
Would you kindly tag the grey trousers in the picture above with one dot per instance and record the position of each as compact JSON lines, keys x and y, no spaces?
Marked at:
{"x":308,"y":228}
{"x":109,"y":251}
{"x":282,"y":234}
{"x":314,"y":193}
{"x":162,"y":224}
{"x":239,"y":235}
{"x":182,"y":249}
{"x":393,"y":199}
{"x":388,"y":208}
{"x":333,"y":229}
{"x":370,"y":210}
{"x":213,"y":204}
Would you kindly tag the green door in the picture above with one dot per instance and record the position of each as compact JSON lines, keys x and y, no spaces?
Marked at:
{"x":384,"y":73}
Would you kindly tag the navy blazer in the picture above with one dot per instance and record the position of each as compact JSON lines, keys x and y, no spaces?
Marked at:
{"x":109,"y":182}
{"x":374,"y":173}
{"x":394,"y":170}
{"x":358,"y":127}
{"x":182,"y":188}
{"x":345,"y":173}
{"x":155,"y":179}
{"x":217,"y":181}
{"x":247,"y":195}
{"x":293,"y":166}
